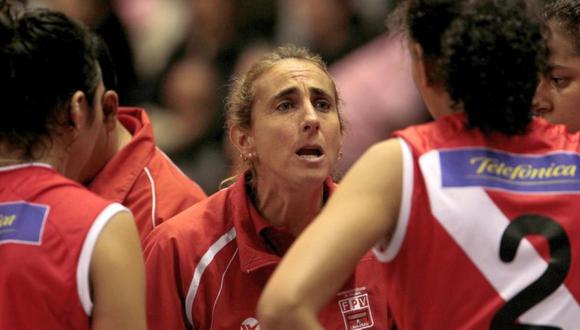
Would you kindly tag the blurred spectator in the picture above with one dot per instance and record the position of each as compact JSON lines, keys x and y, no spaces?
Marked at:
{"x":379,"y":96}
{"x":330,"y":28}
{"x":212,"y":34}
{"x":102,"y":17}
{"x":156,"y":28}
{"x":251,"y":54}
{"x":191,"y":89}
{"x":188,"y":128}
{"x":248,"y":56}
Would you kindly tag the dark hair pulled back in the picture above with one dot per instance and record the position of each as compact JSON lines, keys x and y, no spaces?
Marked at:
{"x":45,"y":58}
{"x":485,"y":53}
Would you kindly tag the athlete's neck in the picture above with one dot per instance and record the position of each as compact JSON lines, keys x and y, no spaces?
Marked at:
{"x":121,"y":137}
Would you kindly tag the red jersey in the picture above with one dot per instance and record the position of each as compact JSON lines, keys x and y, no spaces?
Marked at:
{"x":49,"y":226}
{"x":141,"y":177}
{"x":488,"y":229}
{"x":207,"y":267}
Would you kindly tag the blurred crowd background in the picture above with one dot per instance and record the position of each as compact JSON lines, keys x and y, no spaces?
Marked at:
{"x":175,"y":58}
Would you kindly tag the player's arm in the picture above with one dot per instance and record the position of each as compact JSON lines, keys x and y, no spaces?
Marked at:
{"x":117,"y":277}
{"x":362,"y":211}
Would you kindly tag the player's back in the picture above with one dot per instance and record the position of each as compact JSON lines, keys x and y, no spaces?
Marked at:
{"x":48,"y":228}
{"x":489,"y":236}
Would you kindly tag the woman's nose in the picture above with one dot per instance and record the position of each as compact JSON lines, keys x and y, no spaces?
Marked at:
{"x":311,"y":119}
{"x":541,"y":103}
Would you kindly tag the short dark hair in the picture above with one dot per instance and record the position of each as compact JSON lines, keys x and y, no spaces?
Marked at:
{"x":486,"y":53}
{"x":45,"y":58}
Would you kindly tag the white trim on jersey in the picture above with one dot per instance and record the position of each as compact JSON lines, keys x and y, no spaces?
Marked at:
{"x":83,"y":285}
{"x":387,"y":253}
{"x":477,"y":224}
{"x":221,"y":286}
{"x":153,"y":193}
{"x":205,"y":260}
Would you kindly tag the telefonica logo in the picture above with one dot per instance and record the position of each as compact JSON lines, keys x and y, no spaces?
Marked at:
{"x":517,"y":172}
{"x":496,"y":167}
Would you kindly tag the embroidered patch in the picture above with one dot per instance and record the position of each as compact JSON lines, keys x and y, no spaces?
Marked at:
{"x":250,"y":324}
{"x":356,"y":310}
{"x":22,"y":222}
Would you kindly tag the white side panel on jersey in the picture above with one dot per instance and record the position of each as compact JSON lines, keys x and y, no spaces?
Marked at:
{"x":477,"y":225}
{"x":387,"y":253}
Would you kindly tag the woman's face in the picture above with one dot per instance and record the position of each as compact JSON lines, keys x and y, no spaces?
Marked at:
{"x":558,"y":94}
{"x":295,"y":132}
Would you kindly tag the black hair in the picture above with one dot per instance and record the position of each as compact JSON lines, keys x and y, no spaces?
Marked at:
{"x":45,"y":58}
{"x":565,"y":13}
{"x":485,"y":53}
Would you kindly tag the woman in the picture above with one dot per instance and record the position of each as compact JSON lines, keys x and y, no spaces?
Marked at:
{"x":70,"y":260}
{"x":207,"y":266}
{"x":476,"y":213}
{"x":558,"y":93}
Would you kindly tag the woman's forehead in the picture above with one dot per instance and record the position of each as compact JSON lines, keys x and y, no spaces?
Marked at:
{"x":290,"y":72}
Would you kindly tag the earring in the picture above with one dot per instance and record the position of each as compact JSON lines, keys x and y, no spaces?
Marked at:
{"x":243,"y":157}
{"x":339,"y":155}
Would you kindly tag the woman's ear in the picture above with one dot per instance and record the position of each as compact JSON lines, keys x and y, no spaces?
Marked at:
{"x":78,"y":111}
{"x":241,"y":140}
{"x":110,"y":109}
{"x":418,"y":65}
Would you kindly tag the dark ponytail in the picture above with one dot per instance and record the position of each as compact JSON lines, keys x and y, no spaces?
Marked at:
{"x":487,"y":55}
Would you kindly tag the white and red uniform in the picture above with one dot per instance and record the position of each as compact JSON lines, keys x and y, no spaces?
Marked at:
{"x":488,"y":234}
{"x":207,"y":267}
{"x":141,"y":177}
{"x":49,"y":226}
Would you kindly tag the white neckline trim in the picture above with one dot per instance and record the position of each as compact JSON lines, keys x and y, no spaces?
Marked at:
{"x":23,"y":165}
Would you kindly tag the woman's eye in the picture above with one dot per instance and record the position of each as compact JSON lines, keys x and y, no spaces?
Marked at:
{"x":559,"y":82}
{"x":284,"y":106}
{"x":322,"y":104}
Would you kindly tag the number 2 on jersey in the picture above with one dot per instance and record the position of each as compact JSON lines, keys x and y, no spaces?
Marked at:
{"x":551,"y":279}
